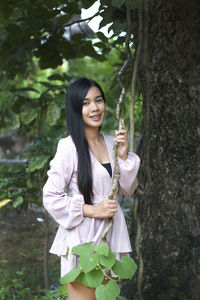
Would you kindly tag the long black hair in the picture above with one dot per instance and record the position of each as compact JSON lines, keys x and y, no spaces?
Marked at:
{"x":76,"y":93}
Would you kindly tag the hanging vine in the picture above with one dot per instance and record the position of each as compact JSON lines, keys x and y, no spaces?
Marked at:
{"x":116,"y":175}
{"x":138,"y":239}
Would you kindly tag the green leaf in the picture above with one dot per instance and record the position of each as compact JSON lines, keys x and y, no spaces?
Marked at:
{"x":89,"y":261}
{"x":99,"y":45}
{"x":80,"y":249}
{"x":12,"y":119}
{"x":51,"y":86}
{"x":60,"y":100}
{"x":82,"y":279}
{"x":63,"y":19}
{"x":107,"y":17}
{"x":25,"y":89}
{"x":108,"y":291}
{"x":108,"y":261}
{"x":86,"y":4}
{"x":118,"y":27}
{"x":125,"y":268}
{"x":102,"y":249}
{"x":29,"y":183}
{"x":50,"y":59}
{"x":102,"y":37}
{"x":94,"y":278}
{"x":28,"y":114}
{"x":37,"y":163}
{"x":174,"y":281}
{"x":18,"y":201}
{"x":56,"y":77}
{"x":70,"y":276}
{"x":117,"y":3}
{"x":71,"y":8}
{"x":63,"y":290}
{"x":53,"y":114}
{"x":4,"y":202}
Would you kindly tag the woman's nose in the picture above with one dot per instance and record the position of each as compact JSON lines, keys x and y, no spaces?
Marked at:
{"x":94,"y":105}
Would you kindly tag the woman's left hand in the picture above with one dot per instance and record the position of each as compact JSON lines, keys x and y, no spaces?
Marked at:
{"x":121,"y":137}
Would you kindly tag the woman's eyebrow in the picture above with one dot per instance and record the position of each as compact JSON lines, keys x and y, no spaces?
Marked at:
{"x":98,"y":96}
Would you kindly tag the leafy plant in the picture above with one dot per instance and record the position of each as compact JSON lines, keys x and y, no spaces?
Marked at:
{"x":98,"y":268}
{"x":14,"y":286}
{"x":18,"y":286}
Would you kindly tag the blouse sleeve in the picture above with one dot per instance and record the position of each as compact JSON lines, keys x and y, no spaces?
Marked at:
{"x":128,"y":172}
{"x":67,"y":211}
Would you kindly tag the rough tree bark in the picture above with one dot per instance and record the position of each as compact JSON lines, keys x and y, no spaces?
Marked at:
{"x":169,"y":208}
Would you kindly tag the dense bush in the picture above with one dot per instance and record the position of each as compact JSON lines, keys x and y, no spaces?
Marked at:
{"x":21,"y":285}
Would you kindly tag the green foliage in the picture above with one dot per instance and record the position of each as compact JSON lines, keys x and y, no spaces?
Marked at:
{"x":38,"y":62}
{"x":19,"y":200}
{"x":37,"y":163}
{"x":108,"y":261}
{"x":71,"y":276}
{"x":96,"y":263}
{"x":20,"y":183}
{"x":108,"y":291}
{"x":19,"y":285}
{"x":4,"y":202}
{"x":125,"y":268}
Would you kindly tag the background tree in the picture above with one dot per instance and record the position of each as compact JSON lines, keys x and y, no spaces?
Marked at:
{"x":167,"y":227}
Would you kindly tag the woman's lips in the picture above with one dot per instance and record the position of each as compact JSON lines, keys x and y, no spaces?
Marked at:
{"x":96,"y":117}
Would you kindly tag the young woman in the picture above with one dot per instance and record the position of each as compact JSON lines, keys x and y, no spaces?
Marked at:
{"x":84,"y":165}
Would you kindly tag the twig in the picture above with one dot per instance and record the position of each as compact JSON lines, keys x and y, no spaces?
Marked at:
{"x":81,"y":20}
{"x":143,"y":26}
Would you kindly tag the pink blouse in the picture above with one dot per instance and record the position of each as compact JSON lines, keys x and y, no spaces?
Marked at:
{"x":66,"y":207}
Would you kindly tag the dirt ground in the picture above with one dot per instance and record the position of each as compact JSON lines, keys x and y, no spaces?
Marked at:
{"x":21,"y":245}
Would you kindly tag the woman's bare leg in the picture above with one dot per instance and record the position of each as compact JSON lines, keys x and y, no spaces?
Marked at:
{"x":77,"y":291}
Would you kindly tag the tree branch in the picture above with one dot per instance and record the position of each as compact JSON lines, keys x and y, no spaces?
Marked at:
{"x":81,"y":20}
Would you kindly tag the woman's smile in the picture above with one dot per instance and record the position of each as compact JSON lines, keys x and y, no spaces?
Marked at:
{"x":96,"y":117}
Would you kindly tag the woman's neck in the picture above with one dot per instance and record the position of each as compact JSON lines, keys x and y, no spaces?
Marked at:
{"x":92,"y":136}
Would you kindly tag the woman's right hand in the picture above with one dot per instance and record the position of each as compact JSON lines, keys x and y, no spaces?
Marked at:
{"x":106,"y":208}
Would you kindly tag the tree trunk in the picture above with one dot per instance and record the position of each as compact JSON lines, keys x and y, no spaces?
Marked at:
{"x":168,"y":212}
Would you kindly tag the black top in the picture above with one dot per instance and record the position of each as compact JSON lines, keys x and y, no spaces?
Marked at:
{"x":108,"y":168}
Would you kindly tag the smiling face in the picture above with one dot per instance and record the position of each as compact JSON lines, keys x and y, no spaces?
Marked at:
{"x":93,"y":109}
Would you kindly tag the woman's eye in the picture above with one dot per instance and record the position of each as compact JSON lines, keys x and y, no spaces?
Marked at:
{"x":85,"y":103}
{"x":99,"y":100}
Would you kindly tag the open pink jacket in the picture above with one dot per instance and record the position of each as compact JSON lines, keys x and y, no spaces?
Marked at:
{"x":66,"y":206}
